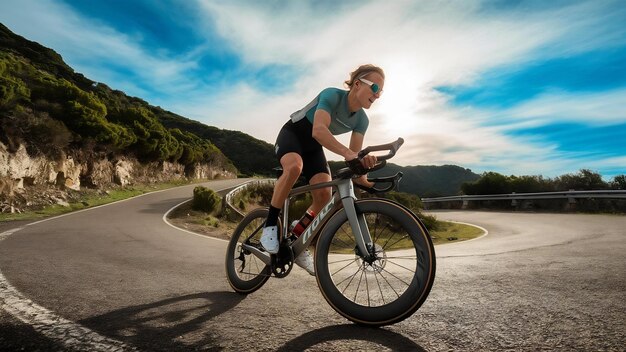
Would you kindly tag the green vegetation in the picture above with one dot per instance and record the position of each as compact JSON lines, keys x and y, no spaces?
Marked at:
{"x":206,"y":200}
{"x":34,"y":103}
{"x":254,"y":196}
{"x":495,"y":183}
{"x":448,"y":232}
{"x":78,"y":200}
{"x":50,"y":108}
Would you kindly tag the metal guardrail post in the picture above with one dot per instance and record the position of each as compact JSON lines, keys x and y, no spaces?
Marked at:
{"x":571,"y":201}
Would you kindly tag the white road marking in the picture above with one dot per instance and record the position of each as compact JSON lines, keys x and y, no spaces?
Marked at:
{"x":72,"y":335}
{"x":187,"y":231}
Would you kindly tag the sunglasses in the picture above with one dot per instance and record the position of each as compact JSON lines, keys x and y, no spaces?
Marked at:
{"x":373,"y":86}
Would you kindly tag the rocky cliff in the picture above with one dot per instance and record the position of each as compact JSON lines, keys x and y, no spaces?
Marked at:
{"x":30,"y":182}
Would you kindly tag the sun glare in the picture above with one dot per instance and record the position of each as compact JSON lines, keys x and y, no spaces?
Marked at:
{"x":399,"y":102}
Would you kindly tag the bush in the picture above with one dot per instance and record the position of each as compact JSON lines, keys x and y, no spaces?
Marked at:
{"x":206,"y":200}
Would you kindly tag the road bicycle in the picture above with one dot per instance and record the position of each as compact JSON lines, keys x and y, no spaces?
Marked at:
{"x":374,"y":259}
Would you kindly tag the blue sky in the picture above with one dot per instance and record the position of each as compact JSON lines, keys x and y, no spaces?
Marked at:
{"x":516,"y":87}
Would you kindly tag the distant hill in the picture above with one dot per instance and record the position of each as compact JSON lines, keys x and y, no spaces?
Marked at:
{"x":425,"y":181}
{"x":41,"y":95}
{"x":49,"y":107}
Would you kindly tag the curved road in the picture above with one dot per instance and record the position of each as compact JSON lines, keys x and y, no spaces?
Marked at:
{"x":118,"y":278}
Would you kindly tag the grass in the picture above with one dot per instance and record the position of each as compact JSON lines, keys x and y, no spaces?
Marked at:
{"x":450,"y":232}
{"x":447,"y":232}
{"x":88,"y":199}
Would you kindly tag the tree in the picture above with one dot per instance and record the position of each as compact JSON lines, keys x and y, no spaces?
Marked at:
{"x":585,"y":179}
{"x":489,"y":183}
{"x":619,"y":182}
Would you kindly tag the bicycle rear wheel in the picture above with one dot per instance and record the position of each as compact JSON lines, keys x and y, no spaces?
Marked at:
{"x":393,"y":285}
{"x":246,"y":273}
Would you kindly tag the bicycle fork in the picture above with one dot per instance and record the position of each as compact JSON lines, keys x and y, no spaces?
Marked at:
{"x":357,"y":222}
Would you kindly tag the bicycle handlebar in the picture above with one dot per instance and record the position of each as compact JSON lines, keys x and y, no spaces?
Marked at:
{"x":391,"y":147}
{"x":358,"y":168}
{"x":392,"y":180}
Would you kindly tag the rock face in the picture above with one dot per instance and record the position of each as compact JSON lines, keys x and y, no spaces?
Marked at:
{"x":19,"y":171}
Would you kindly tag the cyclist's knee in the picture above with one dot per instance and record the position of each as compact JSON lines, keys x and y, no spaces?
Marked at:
{"x":292,"y":170}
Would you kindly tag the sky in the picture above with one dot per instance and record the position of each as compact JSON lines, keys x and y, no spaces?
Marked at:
{"x":514,"y":87}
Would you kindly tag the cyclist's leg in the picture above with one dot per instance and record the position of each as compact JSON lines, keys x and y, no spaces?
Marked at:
{"x":288,"y":150}
{"x":320,"y":196}
{"x":316,"y":171}
{"x":292,"y":167}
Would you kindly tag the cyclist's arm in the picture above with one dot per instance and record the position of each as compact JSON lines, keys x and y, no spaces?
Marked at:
{"x":321,"y":133}
{"x":356,"y":143}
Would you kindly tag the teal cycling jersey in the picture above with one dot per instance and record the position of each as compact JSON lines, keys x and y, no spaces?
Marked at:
{"x":335,"y":102}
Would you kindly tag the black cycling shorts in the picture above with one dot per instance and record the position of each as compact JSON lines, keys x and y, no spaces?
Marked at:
{"x":298,"y":138}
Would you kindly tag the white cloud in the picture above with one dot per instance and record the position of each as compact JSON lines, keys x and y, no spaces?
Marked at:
{"x":93,"y":47}
{"x":420,"y":44}
{"x":603,"y":108}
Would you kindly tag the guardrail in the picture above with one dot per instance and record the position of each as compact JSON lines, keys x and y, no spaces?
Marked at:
{"x":570,"y":195}
{"x":228,"y":198}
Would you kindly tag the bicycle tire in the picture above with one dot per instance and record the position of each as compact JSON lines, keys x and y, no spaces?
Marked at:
{"x":401,"y":277}
{"x":245,"y":272}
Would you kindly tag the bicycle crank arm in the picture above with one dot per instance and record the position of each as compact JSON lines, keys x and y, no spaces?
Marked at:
{"x":264,"y":256}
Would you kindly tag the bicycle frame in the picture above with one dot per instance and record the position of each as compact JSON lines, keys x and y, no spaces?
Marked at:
{"x":342,"y":198}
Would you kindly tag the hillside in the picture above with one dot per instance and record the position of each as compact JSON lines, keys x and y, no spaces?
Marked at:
{"x":41,"y":96}
{"x":56,"y":113}
{"x":425,"y":181}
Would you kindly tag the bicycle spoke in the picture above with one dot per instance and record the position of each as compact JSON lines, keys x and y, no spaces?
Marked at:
{"x":403,"y":237}
{"x":353,"y":260}
{"x":391,"y":281}
{"x":390,"y":285}
{"x":382,"y":295}
{"x":349,"y":283}
{"x":376,"y":218}
{"x":388,"y":239}
{"x":403,"y":267}
{"x":412,"y":257}
{"x":399,"y":279}
{"x":341,"y":261}
{"x":359,"y":285}
{"x":367,"y":290}
{"x":342,"y":241}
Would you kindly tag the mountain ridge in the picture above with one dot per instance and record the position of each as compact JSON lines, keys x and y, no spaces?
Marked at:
{"x":180,"y":138}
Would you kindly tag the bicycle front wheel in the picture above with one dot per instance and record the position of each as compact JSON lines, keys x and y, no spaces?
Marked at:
{"x":247,"y":273}
{"x":393,"y":284}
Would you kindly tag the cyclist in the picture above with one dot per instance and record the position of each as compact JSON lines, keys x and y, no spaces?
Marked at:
{"x":299,"y":147}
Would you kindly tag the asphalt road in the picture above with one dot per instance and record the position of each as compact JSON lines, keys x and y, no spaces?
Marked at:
{"x":117,"y":277}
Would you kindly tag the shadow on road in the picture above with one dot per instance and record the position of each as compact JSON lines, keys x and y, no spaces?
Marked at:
{"x":173,"y":324}
{"x":382,"y":337}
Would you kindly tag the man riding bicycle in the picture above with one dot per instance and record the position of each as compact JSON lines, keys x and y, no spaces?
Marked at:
{"x":299,"y":148}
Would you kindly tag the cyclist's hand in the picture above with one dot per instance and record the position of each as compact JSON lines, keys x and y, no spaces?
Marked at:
{"x":362,"y":180}
{"x":369,"y":161}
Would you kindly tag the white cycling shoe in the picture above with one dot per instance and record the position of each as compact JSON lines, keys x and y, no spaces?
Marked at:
{"x":269,"y":239}
{"x":305,"y":261}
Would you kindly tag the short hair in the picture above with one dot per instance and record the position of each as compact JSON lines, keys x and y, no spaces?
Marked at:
{"x":362,"y":72}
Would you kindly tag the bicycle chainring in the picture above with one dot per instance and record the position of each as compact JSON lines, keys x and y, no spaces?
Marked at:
{"x":282,"y":262}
